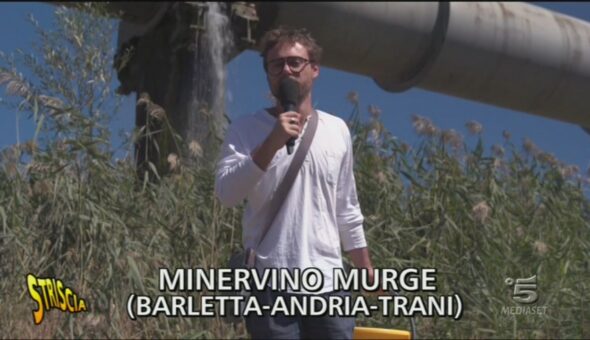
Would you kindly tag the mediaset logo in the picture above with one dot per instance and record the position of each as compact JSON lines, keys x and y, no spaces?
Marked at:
{"x":524,"y":293}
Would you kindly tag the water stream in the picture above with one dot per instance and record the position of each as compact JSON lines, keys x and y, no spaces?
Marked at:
{"x":220,"y":40}
{"x":208,"y":103}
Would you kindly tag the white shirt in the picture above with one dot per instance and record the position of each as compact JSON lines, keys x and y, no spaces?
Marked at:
{"x":321,"y":210}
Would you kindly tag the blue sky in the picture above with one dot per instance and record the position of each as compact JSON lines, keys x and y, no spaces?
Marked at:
{"x":247,"y":92}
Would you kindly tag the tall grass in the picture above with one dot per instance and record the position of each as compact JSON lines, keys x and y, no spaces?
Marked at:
{"x":68,"y":210}
{"x":478,"y":218}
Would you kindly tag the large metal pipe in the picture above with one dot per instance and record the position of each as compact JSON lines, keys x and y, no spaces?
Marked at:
{"x":512,"y":55}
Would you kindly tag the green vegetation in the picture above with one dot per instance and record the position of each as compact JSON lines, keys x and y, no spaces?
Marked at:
{"x":478,"y":220}
{"x":68,"y":210}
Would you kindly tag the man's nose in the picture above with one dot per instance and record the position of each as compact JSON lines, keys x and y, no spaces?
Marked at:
{"x":286,"y":69}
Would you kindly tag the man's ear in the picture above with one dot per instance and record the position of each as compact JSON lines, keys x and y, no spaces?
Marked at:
{"x":264,"y":65}
{"x":316,"y":70}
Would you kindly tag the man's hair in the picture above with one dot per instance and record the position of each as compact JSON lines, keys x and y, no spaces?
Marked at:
{"x":290,"y":35}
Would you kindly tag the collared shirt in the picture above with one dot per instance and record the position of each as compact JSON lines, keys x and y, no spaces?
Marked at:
{"x":321,"y":213}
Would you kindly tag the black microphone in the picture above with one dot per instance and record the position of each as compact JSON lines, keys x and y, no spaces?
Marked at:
{"x":289,"y":95}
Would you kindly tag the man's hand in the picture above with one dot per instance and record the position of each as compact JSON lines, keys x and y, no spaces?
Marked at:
{"x":361,"y":259}
{"x":288,"y":125}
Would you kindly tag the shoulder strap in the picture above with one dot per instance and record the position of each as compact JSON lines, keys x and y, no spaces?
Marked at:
{"x":287,"y":183}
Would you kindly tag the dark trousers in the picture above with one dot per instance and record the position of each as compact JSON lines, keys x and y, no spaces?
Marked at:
{"x":297,"y":326}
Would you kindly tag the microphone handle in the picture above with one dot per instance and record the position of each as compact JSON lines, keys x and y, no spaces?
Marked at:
{"x":291,"y":142}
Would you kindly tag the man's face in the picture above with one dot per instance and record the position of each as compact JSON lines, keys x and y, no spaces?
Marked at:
{"x":280,"y":55}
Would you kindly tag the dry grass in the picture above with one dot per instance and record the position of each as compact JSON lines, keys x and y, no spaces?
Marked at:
{"x":479,"y":219}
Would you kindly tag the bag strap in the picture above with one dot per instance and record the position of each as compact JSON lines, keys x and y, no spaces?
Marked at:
{"x":285,"y":186}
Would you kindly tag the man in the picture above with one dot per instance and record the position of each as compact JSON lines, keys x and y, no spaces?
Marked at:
{"x":320,"y":211}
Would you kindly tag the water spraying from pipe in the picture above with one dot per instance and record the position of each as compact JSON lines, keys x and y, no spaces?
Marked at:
{"x":220,"y":41}
{"x":207,"y":115}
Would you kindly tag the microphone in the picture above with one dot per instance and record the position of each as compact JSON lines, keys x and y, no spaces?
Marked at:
{"x":288,"y":95}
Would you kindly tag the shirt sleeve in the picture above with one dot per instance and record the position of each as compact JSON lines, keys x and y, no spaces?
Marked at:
{"x":236,"y":173}
{"x":348,"y":210}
